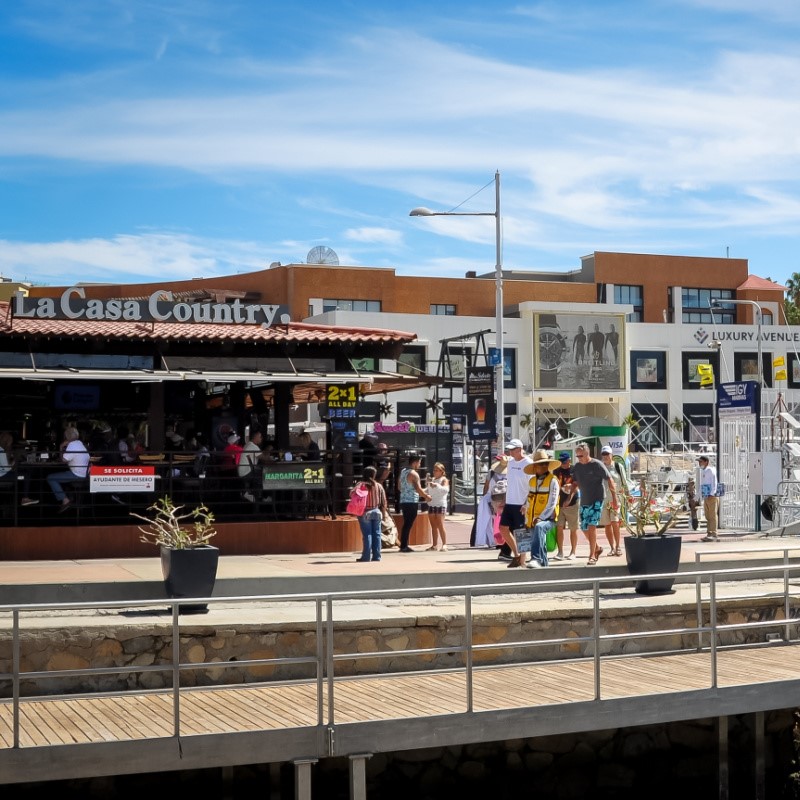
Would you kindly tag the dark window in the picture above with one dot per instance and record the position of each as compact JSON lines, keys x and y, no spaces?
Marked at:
{"x":692,"y":369}
{"x":648,"y":369}
{"x":631,"y":295}
{"x":697,"y":306}
{"x":412,"y":412}
{"x":412,"y":361}
{"x":443,"y":309}
{"x":652,"y":431}
{"x":351,"y":305}
{"x":745,"y":367}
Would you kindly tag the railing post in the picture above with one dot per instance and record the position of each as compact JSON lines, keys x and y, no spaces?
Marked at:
{"x":712,"y":621}
{"x":329,"y":657}
{"x":468,"y":644}
{"x":320,"y":664}
{"x":15,"y":657}
{"x":596,"y":596}
{"x":786,"y":604}
{"x":722,"y":756}
{"x":176,"y":670}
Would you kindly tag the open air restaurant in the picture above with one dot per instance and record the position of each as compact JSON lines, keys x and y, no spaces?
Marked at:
{"x":110,"y":404}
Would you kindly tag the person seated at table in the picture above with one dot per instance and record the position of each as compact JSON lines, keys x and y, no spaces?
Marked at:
{"x":309,"y":449}
{"x":101,"y":444}
{"x":76,"y":456}
{"x":126,"y":453}
{"x":248,"y":468}
{"x":8,"y":474}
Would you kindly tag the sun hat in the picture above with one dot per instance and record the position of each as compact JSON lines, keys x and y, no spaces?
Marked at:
{"x":500,"y":465}
{"x":541,"y":457}
{"x":564,"y":456}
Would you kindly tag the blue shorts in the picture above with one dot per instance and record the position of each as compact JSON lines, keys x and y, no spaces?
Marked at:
{"x":590,"y":515}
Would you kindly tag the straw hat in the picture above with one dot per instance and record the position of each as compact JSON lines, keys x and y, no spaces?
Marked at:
{"x":541,"y":457}
{"x":500,"y":465}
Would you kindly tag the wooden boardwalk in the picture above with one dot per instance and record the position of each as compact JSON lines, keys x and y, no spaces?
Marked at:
{"x":85,"y":735}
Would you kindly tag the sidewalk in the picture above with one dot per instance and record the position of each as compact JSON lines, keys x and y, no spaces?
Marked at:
{"x":140,"y":578}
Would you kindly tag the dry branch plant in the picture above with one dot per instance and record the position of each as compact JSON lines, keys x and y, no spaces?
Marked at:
{"x":169,"y":528}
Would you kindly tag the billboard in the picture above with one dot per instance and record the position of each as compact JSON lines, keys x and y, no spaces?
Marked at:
{"x":579,"y":351}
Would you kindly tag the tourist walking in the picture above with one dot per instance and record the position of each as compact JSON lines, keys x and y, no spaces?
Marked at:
{"x":516,"y":495}
{"x":370,"y":520}
{"x":567,"y":508}
{"x":490,"y":505}
{"x":610,"y":518}
{"x":708,"y":492}
{"x":439,"y":490}
{"x":411,"y":492}
{"x":592,"y":478}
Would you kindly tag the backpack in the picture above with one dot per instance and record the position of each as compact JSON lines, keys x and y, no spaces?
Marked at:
{"x":358,"y":500}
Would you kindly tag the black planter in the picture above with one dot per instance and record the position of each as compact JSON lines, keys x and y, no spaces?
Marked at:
{"x":190,"y":573}
{"x":651,"y":555}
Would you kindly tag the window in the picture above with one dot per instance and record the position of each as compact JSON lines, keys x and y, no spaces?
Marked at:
{"x":631,"y":295}
{"x":745,"y":367}
{"x":443,"y":309}
{"x":697,"y":306}
{"x":411,"y":361}
{"x":412,"y":412}
{"x":692,"y":376}
{"x":648,"y":369}
{"x":350,"y":305}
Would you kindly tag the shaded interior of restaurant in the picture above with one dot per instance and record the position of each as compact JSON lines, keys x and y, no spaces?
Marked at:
{"x":169,"y":390}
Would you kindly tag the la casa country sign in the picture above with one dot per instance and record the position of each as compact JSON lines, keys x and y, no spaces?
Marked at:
{"x":159,"y":307}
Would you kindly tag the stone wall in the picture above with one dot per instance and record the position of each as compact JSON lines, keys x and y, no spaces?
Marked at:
{"x":99,"y":645}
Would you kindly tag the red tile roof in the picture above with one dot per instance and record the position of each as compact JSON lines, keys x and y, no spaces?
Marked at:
{"x":754,"y":282}
{"x":298,"y":332}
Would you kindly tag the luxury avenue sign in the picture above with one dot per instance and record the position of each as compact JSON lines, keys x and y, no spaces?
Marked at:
{"x":159,"y":307}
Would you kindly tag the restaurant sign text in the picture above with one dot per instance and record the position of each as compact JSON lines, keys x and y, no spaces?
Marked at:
{"x":158,"y":307}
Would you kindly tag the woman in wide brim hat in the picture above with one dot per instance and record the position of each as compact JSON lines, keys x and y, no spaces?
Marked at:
{"x":541,"y":457}
{"x":500,"y":465}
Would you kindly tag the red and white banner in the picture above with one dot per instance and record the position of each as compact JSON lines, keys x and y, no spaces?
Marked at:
{"x":122,"y":479}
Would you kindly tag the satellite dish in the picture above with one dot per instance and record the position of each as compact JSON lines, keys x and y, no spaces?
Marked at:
{"x":322,"y":255}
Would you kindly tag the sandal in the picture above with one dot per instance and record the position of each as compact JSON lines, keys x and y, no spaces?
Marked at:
{"x":592,"y":561}
{"x":597,"y":552}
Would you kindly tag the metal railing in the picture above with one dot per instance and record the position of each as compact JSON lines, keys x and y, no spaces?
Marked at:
{"x":779,"y":600}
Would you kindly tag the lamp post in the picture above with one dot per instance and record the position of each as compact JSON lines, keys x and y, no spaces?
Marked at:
{"x":498,"y":271}
{"x":717,"y":304}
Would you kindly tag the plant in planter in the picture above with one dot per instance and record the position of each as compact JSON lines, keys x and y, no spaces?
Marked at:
{"x":649,"y":549}
{"x":188,"y":562}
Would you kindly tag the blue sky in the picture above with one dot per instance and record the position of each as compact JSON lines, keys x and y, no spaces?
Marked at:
{"x":163,"y":139}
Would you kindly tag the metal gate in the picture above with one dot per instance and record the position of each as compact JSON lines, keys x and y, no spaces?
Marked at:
{"x":737,"y":438}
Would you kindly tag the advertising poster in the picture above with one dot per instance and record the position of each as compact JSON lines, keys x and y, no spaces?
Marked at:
{"x":580,"y":351}
{"x":481,"y":411}
{"x":342,"y":413}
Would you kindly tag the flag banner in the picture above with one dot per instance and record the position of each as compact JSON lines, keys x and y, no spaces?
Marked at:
{"x":780,"y":361}
{"x":780,"y":375}
{"x":705,"y":369}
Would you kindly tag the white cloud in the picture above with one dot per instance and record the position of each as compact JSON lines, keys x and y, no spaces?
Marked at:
{"x":374,"y":236}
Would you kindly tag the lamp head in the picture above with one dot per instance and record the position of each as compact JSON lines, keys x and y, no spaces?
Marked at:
{"x":421,"y":212}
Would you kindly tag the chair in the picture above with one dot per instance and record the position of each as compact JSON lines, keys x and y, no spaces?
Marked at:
{"x":82,"y":499}
{"x":191,"y":486}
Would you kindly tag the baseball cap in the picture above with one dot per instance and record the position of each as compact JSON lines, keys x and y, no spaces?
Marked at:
{"x":607,"y":449}
{"x":513,"y":444}
{"x":565,"y":456}
{"x":233,"y":438}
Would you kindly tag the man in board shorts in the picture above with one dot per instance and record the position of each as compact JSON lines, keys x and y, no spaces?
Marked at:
{"x":592,"y":477}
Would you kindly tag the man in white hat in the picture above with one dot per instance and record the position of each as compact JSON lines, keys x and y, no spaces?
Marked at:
{"x":516,"y":495}
{"x":708,"y":491}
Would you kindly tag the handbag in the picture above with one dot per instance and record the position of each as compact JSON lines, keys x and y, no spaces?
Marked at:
{"x":388,"y":531}
{"x":720,"y":490}
{"x":357,"y":504}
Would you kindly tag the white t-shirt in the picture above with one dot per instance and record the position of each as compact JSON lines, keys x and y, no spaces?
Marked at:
{"x":517,"y":491}
{"x":248,"y":459}
{"x":77,"y":456}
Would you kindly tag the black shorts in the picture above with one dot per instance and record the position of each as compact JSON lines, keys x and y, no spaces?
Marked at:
{"x":512,"y":517}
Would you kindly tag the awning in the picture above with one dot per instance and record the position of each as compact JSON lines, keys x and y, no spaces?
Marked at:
{"x":309,"y":386}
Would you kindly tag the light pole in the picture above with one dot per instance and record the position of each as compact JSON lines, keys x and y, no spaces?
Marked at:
{"x":717,"y":304}
{"x":498,"y":271}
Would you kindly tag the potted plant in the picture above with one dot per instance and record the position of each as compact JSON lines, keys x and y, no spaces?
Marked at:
{"x":188,"y":562}
{"x":650,"y":549}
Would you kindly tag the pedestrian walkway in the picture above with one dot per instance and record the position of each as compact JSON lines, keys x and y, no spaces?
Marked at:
{"x":140,"y":578}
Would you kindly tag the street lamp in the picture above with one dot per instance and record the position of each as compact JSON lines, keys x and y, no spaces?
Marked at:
{"x":718,"y":304}
{"x":498,"y":271}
